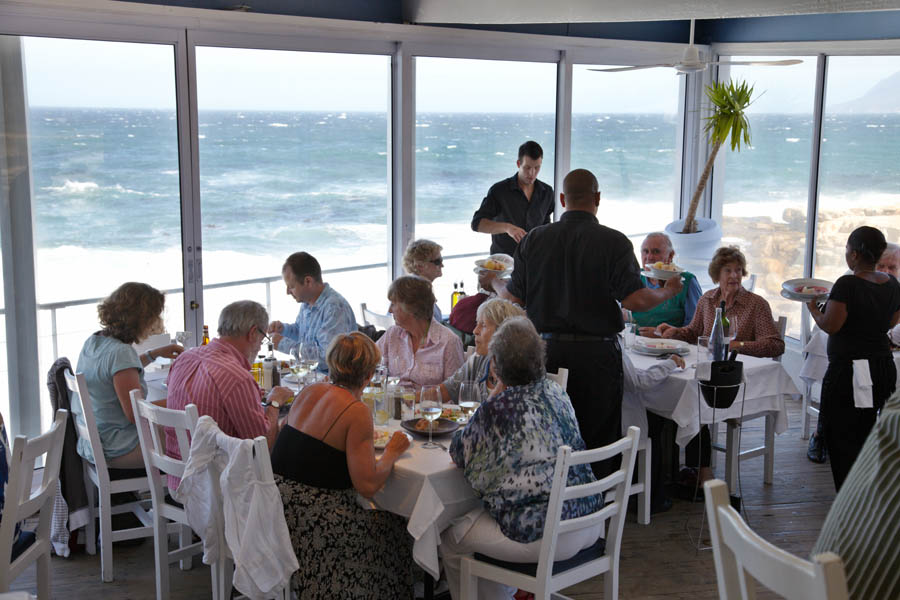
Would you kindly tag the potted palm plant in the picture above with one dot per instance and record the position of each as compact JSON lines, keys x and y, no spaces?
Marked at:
{"x":697,"y":237}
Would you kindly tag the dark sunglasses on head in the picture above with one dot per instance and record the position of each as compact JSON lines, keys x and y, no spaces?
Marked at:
{"x":438,"y":262}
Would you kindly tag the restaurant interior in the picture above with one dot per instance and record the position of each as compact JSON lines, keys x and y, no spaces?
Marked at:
{"x":193,"y":145}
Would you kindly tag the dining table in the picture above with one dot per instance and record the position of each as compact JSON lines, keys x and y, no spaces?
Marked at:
{"x":765,"y":388}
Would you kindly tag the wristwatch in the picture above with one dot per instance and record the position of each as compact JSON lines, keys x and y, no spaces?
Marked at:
{"x":274,"y":403}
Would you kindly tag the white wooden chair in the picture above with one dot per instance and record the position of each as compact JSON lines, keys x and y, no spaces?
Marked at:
{"x":373,"y":318}
{"x":546,"y":577}
{"x":743,"y":559}
{"x":22,"y":502}
{"x":97,"y":483}
{"x":561,"y":377}
{"x":151,"y":421}
{"x":641,"y":488}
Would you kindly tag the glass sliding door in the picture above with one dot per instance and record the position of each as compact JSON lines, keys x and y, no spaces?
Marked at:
{"x":293,"y":157}
{"x":105,"y":180}
{"x":471,"y":118}
{"x":625,"y":131}
{"x":763,"y":189}
{"x":858,"y":178}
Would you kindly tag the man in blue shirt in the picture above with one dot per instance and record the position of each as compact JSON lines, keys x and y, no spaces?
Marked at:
{"x":324,"y":313}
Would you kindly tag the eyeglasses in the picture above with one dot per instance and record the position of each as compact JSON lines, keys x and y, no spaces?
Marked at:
{"x":438,"y":262}
{"x":265,"y":336}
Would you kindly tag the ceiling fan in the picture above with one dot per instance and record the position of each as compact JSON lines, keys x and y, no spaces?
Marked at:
{"x":690,"y":62}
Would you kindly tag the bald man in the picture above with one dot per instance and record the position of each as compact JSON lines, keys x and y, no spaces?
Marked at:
{"x":571,"y":276}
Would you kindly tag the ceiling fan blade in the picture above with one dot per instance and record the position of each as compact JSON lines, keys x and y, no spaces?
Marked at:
{"x":760,"y":63}
{"x":634,"y":68}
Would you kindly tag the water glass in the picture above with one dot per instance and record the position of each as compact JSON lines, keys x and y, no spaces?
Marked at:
{"x":381,"y":413}
{"x":309,"y":358}
{"x":630,"y":335}
{"x":704,"y":354}
{"x":430,"y":405}
{"x":407,"y":403}
{"x":469,"y":399}
{"x":183,"y":337}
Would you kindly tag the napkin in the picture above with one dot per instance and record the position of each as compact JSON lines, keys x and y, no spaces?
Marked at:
{"x":704,"y":371}
{"x":862,"y":384}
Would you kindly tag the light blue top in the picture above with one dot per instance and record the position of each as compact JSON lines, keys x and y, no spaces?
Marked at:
{"x":102,"y":357}
{"x":508,"y":453}
{"x":320,"y":322}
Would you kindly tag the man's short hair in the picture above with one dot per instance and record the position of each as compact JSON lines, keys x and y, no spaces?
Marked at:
{"x":302,"y":264}
{"x":580,"y":187}
{"x":531,"y":149}
{"x":238,"y":318}
{"x":662,"y":235}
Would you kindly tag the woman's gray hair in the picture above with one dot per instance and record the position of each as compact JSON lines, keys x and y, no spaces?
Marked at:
{"x":497,"y":310}
{"x":239,"y":317}
{"x":517,"y":352}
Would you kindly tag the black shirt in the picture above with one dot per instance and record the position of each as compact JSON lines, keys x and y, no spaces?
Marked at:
{"x":870,"y":307}
{"x":506,"y":203}
{"x":570,"y":274}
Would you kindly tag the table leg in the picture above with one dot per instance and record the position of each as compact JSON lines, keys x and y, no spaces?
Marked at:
{"x":732,"y":454}
{"x":769,"y":457}
{"x":804,"y":417}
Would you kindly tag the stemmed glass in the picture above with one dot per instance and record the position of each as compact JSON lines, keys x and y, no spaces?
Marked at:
{"x":731,"y":331}
{"x":430,"y":406}
{"x":309,"y":358}
{"x":469,"y":399}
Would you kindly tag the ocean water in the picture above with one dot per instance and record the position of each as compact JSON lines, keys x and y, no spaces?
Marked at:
{"x":108,"y":179}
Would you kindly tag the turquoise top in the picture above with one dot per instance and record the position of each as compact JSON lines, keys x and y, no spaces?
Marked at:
{"x":673,"y":311}
{"x":102,"y":357}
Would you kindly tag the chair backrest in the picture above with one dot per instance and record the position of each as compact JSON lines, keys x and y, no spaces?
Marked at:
{"x":749,"y":283}
{"x":21,"y":502}
{"x":561,"y":377}
{"x":151,"y":421}
{"x":87,"y":430}
{"x":373,"y":318}
{"x":743,"y":559}
{"x":614,"y":510}
{"x":781,"y":327}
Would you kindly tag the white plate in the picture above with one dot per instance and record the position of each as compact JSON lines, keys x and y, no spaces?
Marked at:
{"x":653,"y":346}
{"x":505,"y":259}
{"x":290,"y":378}
{"x":383,"y":436}
{"x":789,"y":289}
{"x":662,"y":274}
{"x":652,"y":352}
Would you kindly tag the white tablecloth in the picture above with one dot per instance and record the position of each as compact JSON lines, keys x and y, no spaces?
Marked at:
{"x":428,"y":489}
{"x":816,"y":361}
{"x":767,"y":387}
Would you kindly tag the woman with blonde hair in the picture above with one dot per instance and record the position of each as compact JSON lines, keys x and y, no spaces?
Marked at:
{"x":423,"y":258}
{"x":323,"y":457}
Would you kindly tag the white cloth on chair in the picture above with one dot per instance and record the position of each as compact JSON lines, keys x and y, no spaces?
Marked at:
{"x":862,"y":384}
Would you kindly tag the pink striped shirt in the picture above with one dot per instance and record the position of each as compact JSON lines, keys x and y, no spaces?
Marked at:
{"x":216,"y":378}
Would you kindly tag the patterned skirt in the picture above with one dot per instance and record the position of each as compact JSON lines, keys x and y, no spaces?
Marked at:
{"x":344,"y":550}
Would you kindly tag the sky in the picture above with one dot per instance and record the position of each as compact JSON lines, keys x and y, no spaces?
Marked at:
{"x":81,"y":73}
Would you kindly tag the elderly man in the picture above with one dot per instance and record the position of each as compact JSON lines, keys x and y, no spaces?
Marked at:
{"x":515,"y":206}
{"x":890,"y":263}
{"x":657,"y":247}
{"x":571,"y":275}
{"x":216,"y":378}
{"x":324,"y":313}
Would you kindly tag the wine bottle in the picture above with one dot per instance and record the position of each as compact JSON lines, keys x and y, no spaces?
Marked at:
{"x":725,"y":322}
{"x":205,"y":335}
{"x":717,"y":337}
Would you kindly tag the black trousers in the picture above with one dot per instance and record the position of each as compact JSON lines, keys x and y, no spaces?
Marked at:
{"x":845,"y":426}
{"x":698,"y":452}
{"x":595,"y":386}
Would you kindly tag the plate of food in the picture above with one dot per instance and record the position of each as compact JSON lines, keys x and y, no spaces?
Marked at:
{"x":452,"y":413}
{"x":661,"y":270}
{"x":656,"y":347}
{"x":805,"y":289}
{"x":501,"y":264}
{"x":420,"y":426}
{"x":383,"y":436}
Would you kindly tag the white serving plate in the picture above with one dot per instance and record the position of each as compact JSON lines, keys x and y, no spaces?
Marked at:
{"x":789,"y":289}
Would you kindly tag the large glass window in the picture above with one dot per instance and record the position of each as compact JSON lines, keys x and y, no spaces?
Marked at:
{"x":763,"y":189}
{"x":858,"y":179}
{"x":625,"y":131}
{"x":293,"y":156}
{"x":471,"y":118}
{"x":106,"y":201}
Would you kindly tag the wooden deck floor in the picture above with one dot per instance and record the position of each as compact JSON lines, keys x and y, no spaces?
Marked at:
{"x":658,"y":561}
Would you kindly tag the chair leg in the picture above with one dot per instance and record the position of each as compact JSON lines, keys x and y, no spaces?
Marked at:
{"x":161,"y":551}
{"x":185,"y":537}
{"x":644,"y":455}
{"x":90,"y":530}
{"x":611,"y":582}
{"x":804,"y":416}
{"x":468,"y":584}
{"x":106,"y":547}
{"x":769,"y":457}
{"x":43,"y":576}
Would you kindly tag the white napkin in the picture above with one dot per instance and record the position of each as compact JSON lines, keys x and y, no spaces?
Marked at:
{"x":704,"y":371}
{"x":862,"y":384}
{"x":817,"y":343}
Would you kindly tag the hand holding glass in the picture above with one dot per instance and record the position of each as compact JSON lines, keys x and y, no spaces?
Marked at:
{"x":430,"y":406}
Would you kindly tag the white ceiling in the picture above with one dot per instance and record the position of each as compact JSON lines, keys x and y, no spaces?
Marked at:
{"x":606,"y":11}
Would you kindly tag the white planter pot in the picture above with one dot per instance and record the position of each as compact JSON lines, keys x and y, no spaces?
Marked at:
{"x":696,"y":247}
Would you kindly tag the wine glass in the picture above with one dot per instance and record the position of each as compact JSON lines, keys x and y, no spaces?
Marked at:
{"x":430,"y":406}
{"x":469,"y":399}
{"x":732,"y":330}
{"x":183,"y":337}
{"x":309,"y":358}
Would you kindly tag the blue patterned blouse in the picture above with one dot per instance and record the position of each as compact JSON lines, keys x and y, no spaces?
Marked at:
{"x":508,"y":453}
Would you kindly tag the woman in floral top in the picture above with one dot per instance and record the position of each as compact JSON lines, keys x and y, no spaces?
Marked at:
{"x":508,"y":453}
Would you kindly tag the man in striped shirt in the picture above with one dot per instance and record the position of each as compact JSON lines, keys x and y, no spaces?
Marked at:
{"x":863,"y":525}
{"x":216,"y":378}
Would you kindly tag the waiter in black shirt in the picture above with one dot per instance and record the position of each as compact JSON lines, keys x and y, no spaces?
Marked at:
{"x":515,"y":206}
{"x":570,"y":275}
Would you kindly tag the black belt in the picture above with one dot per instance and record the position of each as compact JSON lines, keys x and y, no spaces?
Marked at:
{"x":579,"y":337}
